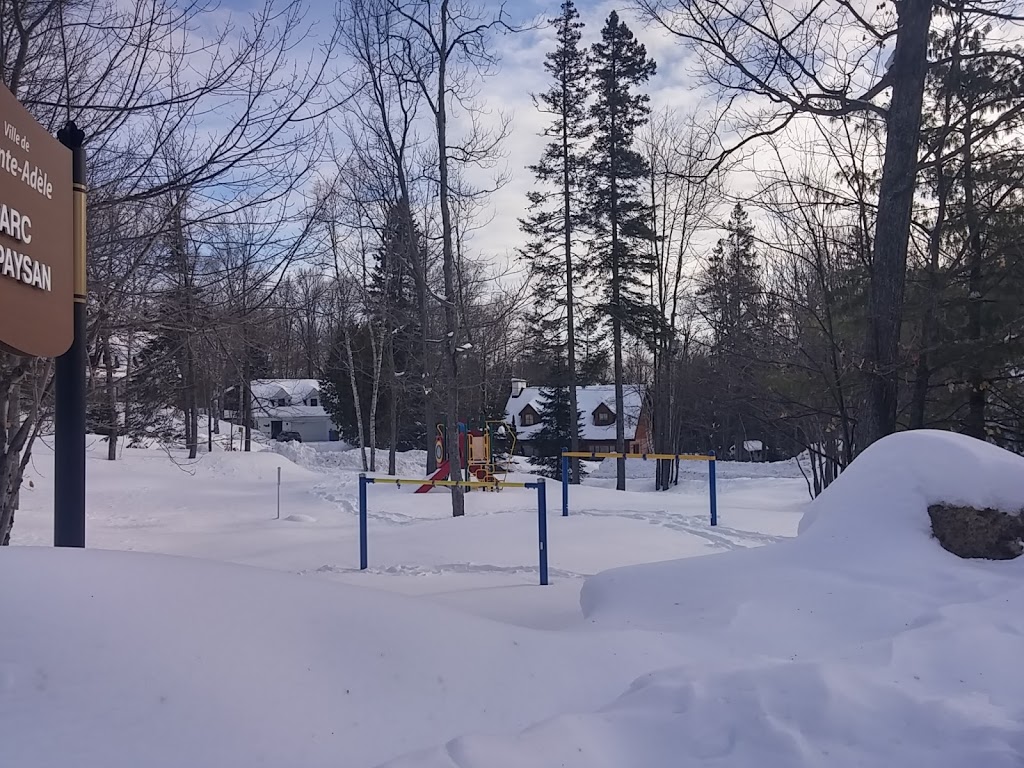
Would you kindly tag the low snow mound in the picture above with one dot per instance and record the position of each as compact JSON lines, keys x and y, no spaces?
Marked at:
{"x":943,"y":695}
{"x":300,"y":519}
{"x":112,"y":659}
{"x":334,"y":457}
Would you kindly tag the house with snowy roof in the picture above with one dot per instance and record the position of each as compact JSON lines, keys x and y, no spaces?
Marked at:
{"x":596,"y":403}
{"x":289,"y":405}
{"x":127,"y":355}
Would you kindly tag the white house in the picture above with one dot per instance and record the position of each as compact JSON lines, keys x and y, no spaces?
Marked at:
{"x":596,"y":403}
{"x":291,"y":405}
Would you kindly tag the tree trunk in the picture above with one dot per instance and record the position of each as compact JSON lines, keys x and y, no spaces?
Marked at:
{"x":892,"y":227}
{"x":129,"y":369}
{"x":448,"y":252}
{"x":393,"y":409}
{"x":110,"y":393}
{"x":975,"y":426}
{"x":378,"y":356}
{"x":355,"y":394}
{"x":10,"y":459}
{"x":620,"y":422}
{"x":246,"y":390}
{"x":191,"y":401}
{"x":570,"y":317}
{"x":426,"y":377}
{"x":922,"y":371}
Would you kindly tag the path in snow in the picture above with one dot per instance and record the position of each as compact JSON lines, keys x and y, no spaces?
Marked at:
{"x":223,"y":507}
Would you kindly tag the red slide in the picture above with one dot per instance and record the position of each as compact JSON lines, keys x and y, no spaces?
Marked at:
{"x":441,"y":474}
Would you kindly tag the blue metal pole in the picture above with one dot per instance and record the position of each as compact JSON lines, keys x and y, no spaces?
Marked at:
{"x":363,"y":482}
{"x":542,"y":531}
{"x":565,"y":486}
{"x":714,"y":489}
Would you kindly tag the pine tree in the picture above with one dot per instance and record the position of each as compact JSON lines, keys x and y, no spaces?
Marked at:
{"x":392,"y":287}
{"x":976,"y":192}
{"x":617,"y":213}
{"x":732,"y":299}
{"x":732,"y":295}
{"x":393,"y":303}
{"x":555,"y":432}
{"x":555,"y":212}
{"x":594,"y":353}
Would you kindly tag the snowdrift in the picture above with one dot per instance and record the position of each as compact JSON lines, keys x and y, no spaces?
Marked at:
{"x":860,"y":643}
{"x":638,"y":469}
{"x":340,"y":456}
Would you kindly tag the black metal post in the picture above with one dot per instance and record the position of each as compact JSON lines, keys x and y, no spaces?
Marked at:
{"x":69,"y":416}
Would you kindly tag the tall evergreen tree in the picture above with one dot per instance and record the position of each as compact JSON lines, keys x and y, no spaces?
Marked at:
{"x":393,"y":302}
{"x":732,"y":295}
{"x":732,"y":299}
{"x":555,"y":210}
{"x":616,"y":209}
{"x":556,"y":430}
{"x":974,"y":122}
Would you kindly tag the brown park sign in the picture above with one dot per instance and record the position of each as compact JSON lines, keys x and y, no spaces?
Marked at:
{"x":36,"y":236}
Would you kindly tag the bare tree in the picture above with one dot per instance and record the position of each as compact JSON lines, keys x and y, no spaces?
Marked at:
{"x":684,"y":195}
{"x":154,"y":84}
{"x":445,"y":46}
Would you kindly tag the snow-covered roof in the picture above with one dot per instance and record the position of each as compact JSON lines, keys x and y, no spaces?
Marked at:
{"x":123,"y":346}
{"x":587,"y":400}
{"x":292,"y":390}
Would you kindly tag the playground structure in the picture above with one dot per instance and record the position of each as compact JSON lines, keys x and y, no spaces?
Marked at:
{"x":476,"y":454}
{"x":542,"y":511}
{"x":710,"y":458}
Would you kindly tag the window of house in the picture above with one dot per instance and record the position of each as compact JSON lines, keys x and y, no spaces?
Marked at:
{"x":602,"y":417}
{"x":528,"y":419}
{"x":314,"y":401}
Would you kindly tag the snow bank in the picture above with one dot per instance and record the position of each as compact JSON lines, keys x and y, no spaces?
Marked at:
{"x":860,"y":643}
{"x":638,"y":469}
{"x":326,"y":457}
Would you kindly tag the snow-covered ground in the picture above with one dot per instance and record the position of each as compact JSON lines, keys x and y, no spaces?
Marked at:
{"x":860,"y":642}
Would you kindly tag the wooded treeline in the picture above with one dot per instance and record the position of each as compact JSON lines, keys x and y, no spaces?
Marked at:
{"x":863,"y":281}
{"x":308,"y":198}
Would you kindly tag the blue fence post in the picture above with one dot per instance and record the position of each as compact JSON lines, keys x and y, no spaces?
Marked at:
{"x":542,"y":531}
{"x":363,"y":482}
{"x":565,"y":485}
{"x":714,"y":489}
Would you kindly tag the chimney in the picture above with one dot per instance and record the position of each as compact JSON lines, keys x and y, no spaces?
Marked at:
{"x":518,"y":385}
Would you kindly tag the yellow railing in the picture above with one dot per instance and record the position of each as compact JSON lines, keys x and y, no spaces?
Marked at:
{"x":680,"y":456}
{"x":448,"y":483}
